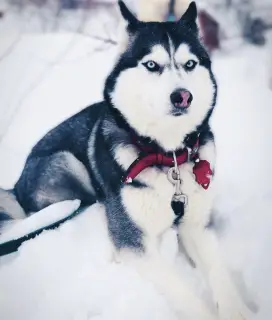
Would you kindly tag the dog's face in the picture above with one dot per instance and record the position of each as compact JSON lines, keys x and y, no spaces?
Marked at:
{"x":163,"y":84}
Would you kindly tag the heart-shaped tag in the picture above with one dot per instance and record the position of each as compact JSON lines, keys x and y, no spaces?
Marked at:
{"x":203,"y":172}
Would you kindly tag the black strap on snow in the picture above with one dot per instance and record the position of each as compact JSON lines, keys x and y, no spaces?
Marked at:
{"x":13,"y":245}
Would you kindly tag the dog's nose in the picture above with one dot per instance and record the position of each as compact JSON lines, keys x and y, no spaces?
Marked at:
{"x":181,"y":98}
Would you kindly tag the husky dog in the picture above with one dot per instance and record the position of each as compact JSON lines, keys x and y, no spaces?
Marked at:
{"x":158,"y":101}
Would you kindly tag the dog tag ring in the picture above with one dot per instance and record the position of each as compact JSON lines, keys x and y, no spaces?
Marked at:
{"x":174,"y":177}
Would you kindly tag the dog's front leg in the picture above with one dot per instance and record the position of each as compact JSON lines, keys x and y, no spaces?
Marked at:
{"x":166,"y":278}
{"x":149,"y":210}
{"x":202,"y":246}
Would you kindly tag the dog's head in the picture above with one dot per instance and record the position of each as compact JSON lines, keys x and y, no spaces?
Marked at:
{"x":162,"y":83}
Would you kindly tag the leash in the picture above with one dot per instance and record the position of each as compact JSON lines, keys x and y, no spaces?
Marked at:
{"x":13,"y":245}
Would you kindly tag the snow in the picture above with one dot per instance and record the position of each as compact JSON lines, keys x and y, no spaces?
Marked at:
{"x":69,"y":273}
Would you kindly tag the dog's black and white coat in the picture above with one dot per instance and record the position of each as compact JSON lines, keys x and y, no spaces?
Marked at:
{"x":86,"y":158}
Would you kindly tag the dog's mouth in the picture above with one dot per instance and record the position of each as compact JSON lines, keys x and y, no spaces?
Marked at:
{"x":178,"y":112}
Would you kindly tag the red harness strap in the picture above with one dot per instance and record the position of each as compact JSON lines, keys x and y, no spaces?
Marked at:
{"x":201,"y":170}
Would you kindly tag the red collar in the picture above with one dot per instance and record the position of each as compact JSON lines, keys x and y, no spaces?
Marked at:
{"x":150,"y":157}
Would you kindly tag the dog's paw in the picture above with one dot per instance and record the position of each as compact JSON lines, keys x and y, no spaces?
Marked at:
{"x":231,"y":306}
{"x":234,"y":312}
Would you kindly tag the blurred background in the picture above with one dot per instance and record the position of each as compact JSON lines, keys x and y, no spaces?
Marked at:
{"x":54,"y":57}
{"x":37,"y":36}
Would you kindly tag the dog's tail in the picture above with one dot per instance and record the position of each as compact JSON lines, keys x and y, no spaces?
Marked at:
{"x":10,"y":208}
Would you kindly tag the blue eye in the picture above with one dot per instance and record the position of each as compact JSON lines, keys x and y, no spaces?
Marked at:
{"x":190,"y":65}
{"x":151,"y":66}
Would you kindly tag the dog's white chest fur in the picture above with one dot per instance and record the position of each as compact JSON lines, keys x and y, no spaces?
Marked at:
{"x":150,"y":207}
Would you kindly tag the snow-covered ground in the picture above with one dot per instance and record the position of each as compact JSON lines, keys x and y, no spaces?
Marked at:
{"x":68,"y":273}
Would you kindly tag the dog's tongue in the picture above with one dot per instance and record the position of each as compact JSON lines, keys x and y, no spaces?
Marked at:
{"x":185,"y":98}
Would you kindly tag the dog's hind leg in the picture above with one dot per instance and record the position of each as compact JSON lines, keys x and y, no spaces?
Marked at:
{"x":168,"y":281}
{"x":51,"y":179}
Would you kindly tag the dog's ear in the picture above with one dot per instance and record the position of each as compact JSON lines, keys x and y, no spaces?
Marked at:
{"x":127,"y":27}
{"x":128,"y":16}
{"x":189,"y":18}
